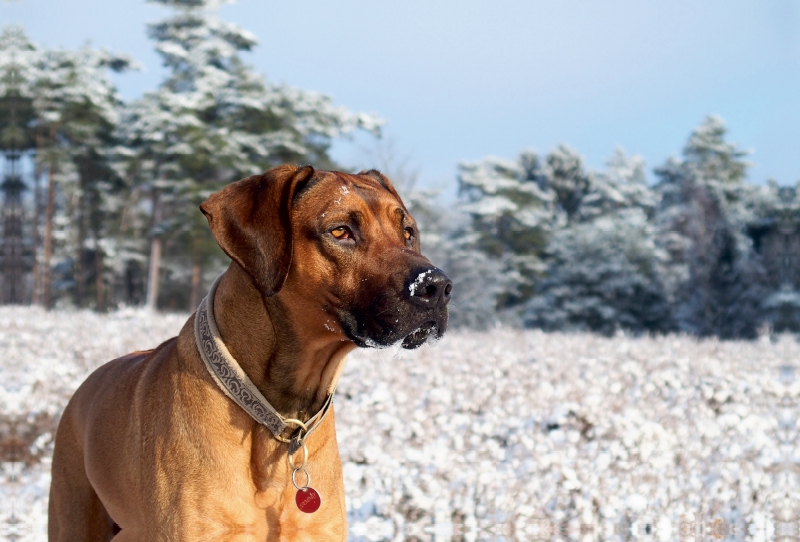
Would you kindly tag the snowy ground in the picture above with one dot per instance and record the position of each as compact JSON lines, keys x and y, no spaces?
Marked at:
{"x":504,"y":435}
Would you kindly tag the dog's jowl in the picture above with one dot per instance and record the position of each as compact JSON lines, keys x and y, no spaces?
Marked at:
{"x":226,"y":432}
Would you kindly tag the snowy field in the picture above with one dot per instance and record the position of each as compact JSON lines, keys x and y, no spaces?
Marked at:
{"x":504,"y":435}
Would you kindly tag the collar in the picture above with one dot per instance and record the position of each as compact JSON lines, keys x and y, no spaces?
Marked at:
{"x":232,"y":380}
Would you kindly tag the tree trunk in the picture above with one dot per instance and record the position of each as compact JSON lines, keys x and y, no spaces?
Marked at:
{"x":47,"y":271}
{"x":95,"y":219}
{"x":78,"y":270}
{"x":195,"y":297}
{"x":98,"y":272}
{"x":155,"y":257}
{"x":152,"y":281}
{"x":36,"y":294}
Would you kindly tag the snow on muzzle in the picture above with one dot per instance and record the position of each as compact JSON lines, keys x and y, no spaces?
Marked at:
{"x":429,"y":291}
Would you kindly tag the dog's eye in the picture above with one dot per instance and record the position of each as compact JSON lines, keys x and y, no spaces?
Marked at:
{"x":409,"y":234}
{"x":342,"y":233}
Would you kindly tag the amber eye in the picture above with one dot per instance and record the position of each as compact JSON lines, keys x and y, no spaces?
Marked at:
{"x":409,"y":234}
{"x":341,"y":233}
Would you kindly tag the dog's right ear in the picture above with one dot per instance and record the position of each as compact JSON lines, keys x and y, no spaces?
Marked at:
{"x":383,"y":180}
{"x":251,"y":221}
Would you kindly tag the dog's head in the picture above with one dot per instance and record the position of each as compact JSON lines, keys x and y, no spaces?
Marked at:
{"x":342,"y":247}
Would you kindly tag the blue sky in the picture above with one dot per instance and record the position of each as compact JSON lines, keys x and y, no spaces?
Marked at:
{"x":459,"y":80}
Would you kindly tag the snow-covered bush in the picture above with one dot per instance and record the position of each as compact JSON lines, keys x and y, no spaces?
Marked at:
{"x":522,"y":434}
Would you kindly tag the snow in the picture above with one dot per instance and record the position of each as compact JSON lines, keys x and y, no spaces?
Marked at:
{"x":504,"y":432}
{"x":412,"y":288}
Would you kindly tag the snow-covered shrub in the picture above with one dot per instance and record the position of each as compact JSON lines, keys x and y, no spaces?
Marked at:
{"x":509,"y":432}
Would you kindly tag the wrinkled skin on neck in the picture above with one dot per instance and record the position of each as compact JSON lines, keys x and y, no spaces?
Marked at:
{"x":293,"y":368}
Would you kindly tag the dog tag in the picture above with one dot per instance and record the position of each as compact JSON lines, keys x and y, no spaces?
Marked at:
{"x":308,"y":500}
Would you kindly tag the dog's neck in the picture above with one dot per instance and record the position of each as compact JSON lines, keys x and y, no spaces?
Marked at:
{"x":293,"y":368}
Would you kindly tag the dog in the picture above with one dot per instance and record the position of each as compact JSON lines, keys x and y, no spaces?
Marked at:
{"x":151,"y":447}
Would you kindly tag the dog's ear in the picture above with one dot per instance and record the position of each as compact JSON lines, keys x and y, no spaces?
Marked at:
{"x":385,"y":182}
{"x":251,"y":221}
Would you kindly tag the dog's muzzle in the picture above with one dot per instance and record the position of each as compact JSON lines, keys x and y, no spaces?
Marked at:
{"x":429,"y":292}
{"x":411,"y":314}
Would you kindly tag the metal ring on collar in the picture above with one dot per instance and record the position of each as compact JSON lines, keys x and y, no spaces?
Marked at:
{"x":305,"y":458}
{"x":308,"y":479}
{"x":296,"y":422}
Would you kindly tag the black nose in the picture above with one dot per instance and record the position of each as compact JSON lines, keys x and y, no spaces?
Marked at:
{"x":429,"y":287}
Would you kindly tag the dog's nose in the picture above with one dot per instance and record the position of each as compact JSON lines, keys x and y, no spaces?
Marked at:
{"x":430,"y":287}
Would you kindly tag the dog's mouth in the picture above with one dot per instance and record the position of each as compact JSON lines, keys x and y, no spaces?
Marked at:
{"x":385,"y":336}
{"x":413,"y":340}
{"x":417,"y":338}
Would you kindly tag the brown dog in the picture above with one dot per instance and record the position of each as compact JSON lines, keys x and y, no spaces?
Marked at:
{"x":322,"y":262}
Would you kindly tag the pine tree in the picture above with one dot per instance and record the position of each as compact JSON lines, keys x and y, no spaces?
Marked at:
{"x":603,"y":266}
{"x":214,"y":120}
{"x":63,"y":106}
{"x":621,"y":186}
{"x":512,"y":208}
{"x":556,"y":231}
{"x":18,"y":57}
{"x":76,"y":108}
{"x":567,"y":179}
{"x":16,"y":114}
{"x":714,"y":275}
{"x":775,"y":231}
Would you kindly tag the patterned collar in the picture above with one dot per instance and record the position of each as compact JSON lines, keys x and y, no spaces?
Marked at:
{"x":233,"y":381}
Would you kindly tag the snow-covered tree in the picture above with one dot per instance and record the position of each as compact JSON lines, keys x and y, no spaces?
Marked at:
{"x":603,"y":275}
{"x":775,"y":232}
{"x":568,"y":179}
{"x":512,"y":208}
{"x":16,"y":113}
{"x":70,"y":110}
{"x":17,"y":60}
{"x":214,"y":120}
{"x":77,"y":111}
{"x":621,"y":186}
{"x":604,"y":267}
{"x":713,"y":277}
{"x":575,"y":248}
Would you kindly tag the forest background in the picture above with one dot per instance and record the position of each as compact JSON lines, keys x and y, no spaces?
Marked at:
{"x":100,"y":195}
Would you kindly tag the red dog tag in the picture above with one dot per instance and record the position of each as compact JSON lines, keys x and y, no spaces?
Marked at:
{"x":308,"y":500}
